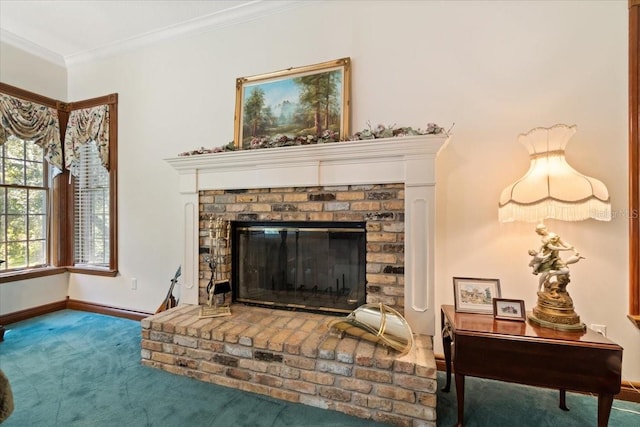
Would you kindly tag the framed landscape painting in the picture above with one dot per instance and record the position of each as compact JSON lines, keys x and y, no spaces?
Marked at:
{"x":475,"y":295}
{"x":304,"y":103}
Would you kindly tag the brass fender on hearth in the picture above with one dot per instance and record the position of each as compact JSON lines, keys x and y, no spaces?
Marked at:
{"x":376,"y":323}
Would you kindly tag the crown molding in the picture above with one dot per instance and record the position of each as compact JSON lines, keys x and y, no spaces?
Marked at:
{"x":246,"y":12}
{"x":232,"y":16}
{"x":32,"y":48}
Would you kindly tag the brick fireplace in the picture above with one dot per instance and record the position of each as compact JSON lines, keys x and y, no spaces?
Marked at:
{"x":379,"y":206}
{"x":291,"y":355}
{"x":405,"y":165}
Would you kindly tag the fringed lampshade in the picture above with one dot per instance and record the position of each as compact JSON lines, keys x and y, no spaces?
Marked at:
{"x":552,"y":188}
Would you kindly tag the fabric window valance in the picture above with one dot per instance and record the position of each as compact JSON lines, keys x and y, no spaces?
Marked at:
{"x":34,"y":122}
{"x":84,"y":126}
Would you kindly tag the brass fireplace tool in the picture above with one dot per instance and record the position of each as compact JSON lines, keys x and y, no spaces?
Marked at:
{"x":218,"y":259}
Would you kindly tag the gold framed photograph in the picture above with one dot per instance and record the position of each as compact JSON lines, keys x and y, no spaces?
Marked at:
{"x":474,"y":295}
{"x":302,"y":102}
{"x":509,"y":309}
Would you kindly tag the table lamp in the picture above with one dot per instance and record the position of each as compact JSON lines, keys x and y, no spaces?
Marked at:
{"x":551,"y":188}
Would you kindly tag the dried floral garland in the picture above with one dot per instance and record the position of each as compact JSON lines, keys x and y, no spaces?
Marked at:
{"x":380,"y":131}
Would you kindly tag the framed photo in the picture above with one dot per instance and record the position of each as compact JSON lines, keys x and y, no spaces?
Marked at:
{"x":509,"y":309}
{"x":296,"y":102}
{"x":475,"y":295}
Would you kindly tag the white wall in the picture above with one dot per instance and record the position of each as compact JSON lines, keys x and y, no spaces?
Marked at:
{"x":495,"y":69}
{"x":24,"y":294}
{"x":26,"y":71}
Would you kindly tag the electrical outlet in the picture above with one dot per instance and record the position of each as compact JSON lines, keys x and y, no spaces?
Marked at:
{"x":134,"y":284}
{"x":601,"y":329}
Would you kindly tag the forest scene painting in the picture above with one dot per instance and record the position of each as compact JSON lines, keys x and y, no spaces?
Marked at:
{"x":295,"y":103}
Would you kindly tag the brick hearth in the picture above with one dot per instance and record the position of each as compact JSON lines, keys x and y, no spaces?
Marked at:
{"x":292,"y":356}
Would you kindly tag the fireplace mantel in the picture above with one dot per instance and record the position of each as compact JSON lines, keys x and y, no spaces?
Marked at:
{"x":409,"y":160}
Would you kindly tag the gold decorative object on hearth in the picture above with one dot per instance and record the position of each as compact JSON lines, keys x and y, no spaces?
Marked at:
{"x":218,"y":259}
{"x":377,"y":323}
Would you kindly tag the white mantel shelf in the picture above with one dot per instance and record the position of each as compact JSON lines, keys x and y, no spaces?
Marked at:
{"x":409,"y":160}
{"x":379,"y":161}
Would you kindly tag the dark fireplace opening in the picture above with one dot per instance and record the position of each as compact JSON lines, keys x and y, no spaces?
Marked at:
{"x":313,"y":266}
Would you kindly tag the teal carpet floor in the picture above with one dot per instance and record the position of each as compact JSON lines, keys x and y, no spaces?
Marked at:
{"x":73,"y":368}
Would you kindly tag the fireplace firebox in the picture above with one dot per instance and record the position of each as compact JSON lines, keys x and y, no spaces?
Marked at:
{"x":312,"y":266}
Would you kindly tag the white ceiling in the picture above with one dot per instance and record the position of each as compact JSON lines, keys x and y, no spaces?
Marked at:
{"x":76,"y":30}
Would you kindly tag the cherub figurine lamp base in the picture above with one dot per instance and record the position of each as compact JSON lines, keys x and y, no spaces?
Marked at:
{"x":555,"y":306}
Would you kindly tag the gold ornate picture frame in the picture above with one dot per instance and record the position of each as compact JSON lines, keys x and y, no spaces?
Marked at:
{"x":296,"y":103}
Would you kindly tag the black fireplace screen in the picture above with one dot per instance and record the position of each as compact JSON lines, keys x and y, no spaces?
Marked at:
{"x":315,"y":266}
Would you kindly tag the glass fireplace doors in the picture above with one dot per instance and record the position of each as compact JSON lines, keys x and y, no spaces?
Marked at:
{"x":314,"y":266}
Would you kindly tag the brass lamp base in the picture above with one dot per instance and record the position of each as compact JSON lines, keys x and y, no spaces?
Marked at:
{"x":556,"y":312}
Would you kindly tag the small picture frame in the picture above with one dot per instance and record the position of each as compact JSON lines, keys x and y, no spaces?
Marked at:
{"x":509,"y":309}
{"x":474,"y":295}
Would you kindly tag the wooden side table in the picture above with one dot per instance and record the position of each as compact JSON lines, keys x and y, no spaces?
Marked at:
{"x":523,"y":353}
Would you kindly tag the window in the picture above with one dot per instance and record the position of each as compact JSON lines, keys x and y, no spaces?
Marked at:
{"x":91,"y":210}
{"x":70,"y":220}
{"x":91,"y":158}
{"x":23,"y":205}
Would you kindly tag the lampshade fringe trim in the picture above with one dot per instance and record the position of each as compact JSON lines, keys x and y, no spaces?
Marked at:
{"x":592,"y":208}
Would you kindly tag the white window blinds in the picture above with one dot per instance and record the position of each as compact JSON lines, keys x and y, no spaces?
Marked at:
{"x":91,"y":198}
